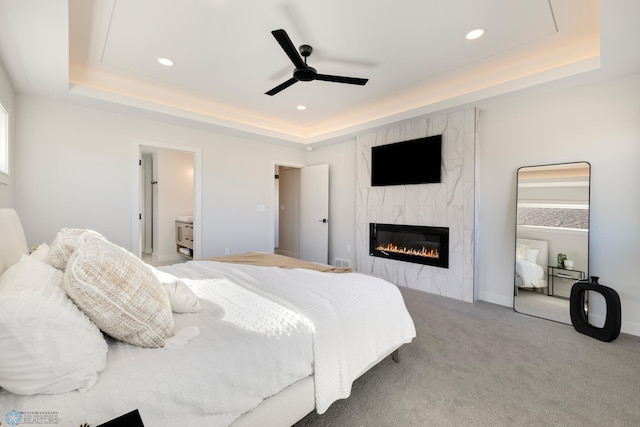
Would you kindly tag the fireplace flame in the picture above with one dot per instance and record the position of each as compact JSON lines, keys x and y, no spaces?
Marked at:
{"x":424,"y":252}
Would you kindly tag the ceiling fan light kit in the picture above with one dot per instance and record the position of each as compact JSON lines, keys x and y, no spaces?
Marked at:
{"x":302,"y":71}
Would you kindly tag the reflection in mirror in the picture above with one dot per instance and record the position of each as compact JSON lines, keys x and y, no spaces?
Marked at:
{"x":552,"y":237}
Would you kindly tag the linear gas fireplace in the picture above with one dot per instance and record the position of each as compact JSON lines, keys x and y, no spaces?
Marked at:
{"x":411,"y":243}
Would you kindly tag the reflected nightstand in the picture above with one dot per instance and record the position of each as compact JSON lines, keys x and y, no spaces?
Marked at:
{"x":563,"y":275}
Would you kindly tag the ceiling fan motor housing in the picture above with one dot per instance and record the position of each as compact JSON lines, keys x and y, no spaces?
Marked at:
{"x":305,"y":74}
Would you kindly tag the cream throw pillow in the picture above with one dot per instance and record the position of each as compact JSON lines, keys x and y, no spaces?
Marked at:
{"x":47,"y":345}
{"x":181,"y":297}
{"x":119,"y":293}
{"x":67,"y":240}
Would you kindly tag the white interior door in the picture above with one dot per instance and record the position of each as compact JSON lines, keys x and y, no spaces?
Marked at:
{"x":314,"y":213}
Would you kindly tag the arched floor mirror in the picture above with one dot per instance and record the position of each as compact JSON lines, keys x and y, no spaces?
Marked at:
{"x":552,"y":237}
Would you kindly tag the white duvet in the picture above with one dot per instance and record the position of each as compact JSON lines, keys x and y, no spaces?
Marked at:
{"x":356,"y":319}
{"x":530,"y":273}
{"x":261,"y":330}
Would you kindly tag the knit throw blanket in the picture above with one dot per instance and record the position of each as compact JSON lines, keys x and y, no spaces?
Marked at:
{"x":275,"y":260}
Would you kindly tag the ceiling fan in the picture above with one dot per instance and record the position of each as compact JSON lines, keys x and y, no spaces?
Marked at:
{"x":303,"y":72}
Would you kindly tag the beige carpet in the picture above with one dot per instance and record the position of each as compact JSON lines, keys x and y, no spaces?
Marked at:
{"x":486,"y":365}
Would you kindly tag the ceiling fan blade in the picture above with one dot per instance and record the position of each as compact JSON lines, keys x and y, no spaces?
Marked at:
{"x":280,"y":87}
{"x":341,"y":79}
{"x":287,"y":45}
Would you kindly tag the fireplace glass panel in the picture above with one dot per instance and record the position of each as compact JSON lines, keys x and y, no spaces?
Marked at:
{"x":418,"y":244}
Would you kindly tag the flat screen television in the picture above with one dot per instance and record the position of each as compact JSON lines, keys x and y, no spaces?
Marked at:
{"x":417,"y":161}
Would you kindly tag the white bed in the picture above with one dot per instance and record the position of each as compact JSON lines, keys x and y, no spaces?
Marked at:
{"x":269,"y":346}
{"x":532,"y":259}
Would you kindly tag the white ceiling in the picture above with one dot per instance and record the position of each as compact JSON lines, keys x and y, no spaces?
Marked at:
{"x":413,"y":52}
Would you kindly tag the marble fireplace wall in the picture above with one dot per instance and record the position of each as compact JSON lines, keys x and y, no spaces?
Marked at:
{"x":450,"y":203}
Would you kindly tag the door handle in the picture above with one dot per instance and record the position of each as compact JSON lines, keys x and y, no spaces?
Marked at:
{"x":323,"y":220}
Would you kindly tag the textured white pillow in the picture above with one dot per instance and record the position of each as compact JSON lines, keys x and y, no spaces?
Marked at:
{"x":181,"y":297}
{"x":65,"y":243}
{"x":41,"y":253}
{"x":47,"y":344}
{"x":119,"y":293}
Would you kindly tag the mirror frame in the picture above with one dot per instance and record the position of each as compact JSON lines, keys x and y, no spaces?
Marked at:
{"x":550,"y":262}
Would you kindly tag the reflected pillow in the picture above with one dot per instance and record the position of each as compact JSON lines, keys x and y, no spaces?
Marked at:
{"x":531,"y":255}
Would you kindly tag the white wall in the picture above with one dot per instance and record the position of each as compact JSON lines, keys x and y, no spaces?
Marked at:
{"x":597,"y":123}
{"x":7,"y":99}
{"x":73,"y":169}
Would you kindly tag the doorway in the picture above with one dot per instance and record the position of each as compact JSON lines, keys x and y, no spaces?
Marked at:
{"x":167,"y":188}
{"x":287,"y":211}
{"x":301,"y":209}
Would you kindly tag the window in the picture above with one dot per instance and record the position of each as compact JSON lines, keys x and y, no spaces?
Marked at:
{"x":4,"y":144}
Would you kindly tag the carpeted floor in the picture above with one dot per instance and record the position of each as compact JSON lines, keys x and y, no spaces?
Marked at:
{"x":486,"y":365}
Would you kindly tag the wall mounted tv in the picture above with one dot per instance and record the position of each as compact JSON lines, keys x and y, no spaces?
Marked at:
{"x":417,"y":161}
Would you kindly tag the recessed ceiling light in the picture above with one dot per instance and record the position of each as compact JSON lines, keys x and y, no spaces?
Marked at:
{"x":301,"y":107}
{"x":475,"y":33}
{"x":165,"y":61}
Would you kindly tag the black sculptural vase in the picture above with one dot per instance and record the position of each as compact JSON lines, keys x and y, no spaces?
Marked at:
{"x":579,"y":318}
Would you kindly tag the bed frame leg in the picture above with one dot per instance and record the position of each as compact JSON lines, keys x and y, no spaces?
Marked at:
{"x":396,"y":355}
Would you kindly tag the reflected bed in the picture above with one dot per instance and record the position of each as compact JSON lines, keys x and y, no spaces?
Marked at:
{"x":532,"y":259}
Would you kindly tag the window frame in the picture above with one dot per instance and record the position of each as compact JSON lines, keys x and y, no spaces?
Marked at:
{"x":4,"y":145}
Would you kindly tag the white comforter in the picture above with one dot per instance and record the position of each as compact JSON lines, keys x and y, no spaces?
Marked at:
{"x":356,"y":319}
{"x":530,"y":273}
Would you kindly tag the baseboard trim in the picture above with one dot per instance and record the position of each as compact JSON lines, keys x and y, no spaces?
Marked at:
{"x":631,"y":328}
{"x":496,"y":299}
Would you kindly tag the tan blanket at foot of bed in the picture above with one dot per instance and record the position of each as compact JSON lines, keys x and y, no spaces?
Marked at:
{"x":275,"y":260}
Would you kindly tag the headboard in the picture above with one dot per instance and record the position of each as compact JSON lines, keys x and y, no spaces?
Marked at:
{"x":13,"y":243}
{"x":543,"y":250}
